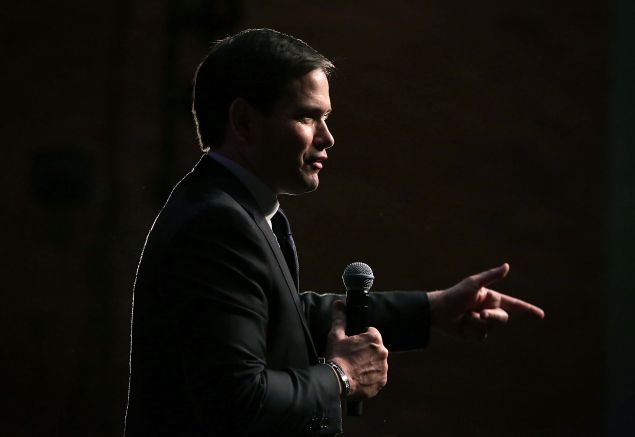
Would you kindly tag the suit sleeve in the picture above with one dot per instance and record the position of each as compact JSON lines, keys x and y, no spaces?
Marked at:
{"x":402,"y":318}
{"x":215,"y":284}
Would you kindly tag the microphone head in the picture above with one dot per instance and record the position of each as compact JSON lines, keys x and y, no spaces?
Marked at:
{"x":358,"y":276}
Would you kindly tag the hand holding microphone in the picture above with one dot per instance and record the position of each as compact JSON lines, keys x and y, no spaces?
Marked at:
{"x":352,"y":345}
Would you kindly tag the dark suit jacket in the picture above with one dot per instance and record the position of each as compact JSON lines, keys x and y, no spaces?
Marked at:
{"x":222,"y":343}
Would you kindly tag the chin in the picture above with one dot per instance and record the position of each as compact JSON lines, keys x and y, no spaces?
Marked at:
{"x":312,"y":183}
{"x":306,"y":185}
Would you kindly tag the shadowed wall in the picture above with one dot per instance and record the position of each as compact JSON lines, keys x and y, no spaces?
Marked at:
{"x":466,"y":135}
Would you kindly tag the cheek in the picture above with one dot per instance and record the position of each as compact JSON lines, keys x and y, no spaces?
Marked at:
{"x":294,"y":143}
{"x":304,"y":138}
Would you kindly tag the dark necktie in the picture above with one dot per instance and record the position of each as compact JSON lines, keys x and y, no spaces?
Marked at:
{"x":282,"y":229}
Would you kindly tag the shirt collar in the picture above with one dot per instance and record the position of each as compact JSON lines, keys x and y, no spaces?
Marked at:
{"x":265,"y":198}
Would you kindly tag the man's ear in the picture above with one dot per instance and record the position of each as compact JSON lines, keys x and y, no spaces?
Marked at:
{"x":241,"y":120}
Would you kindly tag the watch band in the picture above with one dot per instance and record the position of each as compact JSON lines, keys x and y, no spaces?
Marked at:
{"x":345,"y":384}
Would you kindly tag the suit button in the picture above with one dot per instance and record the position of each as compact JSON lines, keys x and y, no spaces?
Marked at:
{"x":314,"y":425}
{"x":324,"y":423}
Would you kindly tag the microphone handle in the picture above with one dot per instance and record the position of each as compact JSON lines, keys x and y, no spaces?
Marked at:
{"x":357,"y":321}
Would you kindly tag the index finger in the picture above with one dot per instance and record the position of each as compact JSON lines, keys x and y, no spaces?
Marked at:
{"x":338,"y":319}
{"x":509,"y":303}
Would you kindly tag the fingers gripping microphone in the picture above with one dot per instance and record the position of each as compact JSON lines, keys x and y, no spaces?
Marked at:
{"x":358,"y":278}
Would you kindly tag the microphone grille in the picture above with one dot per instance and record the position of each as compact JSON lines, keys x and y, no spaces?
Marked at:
{"x":358,"y":276}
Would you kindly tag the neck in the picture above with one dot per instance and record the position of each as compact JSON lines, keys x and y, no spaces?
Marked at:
{"x":237,"y":155}
{"x":265,"y":198}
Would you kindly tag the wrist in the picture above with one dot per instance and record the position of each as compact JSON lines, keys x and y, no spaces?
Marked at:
{"x":434,"y":300}
{"x":342,"y":378}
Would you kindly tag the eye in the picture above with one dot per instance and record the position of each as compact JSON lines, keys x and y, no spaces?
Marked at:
{"x":312,"y":117}
{"x":306,"y":119}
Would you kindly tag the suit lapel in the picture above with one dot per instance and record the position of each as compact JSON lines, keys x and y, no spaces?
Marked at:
{"x":231,"y":185}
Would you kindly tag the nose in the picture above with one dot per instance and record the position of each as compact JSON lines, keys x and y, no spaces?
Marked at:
{"x":323,"y":137}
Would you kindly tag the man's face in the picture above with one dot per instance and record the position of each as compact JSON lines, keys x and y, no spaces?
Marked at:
{"x":290,"y":145}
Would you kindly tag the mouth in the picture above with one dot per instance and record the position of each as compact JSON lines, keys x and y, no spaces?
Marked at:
{"x":316,"y":163}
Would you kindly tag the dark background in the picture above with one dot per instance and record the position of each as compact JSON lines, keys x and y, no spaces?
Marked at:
{"x":467,"y":134}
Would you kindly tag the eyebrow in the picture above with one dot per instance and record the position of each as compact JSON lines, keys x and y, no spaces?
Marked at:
{"x":314,"y":110}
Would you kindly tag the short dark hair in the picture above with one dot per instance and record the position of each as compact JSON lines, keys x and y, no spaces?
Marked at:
{"x":255,"y":64}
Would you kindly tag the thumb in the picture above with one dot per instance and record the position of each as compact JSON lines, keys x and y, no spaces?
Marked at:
{"x":489,"y":276}
{"x":338,"y":319}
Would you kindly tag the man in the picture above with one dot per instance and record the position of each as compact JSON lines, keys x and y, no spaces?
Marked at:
{"x":222,"y":342}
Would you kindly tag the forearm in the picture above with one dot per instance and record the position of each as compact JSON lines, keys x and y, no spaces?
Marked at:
{"x":402,"y":317}
{"x":299,"y":401}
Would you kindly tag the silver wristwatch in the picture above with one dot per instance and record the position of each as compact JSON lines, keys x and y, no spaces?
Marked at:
{"x":345,"y":384}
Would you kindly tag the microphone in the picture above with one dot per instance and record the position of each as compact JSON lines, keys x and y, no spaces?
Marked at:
{"x":358,"y":278}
